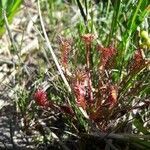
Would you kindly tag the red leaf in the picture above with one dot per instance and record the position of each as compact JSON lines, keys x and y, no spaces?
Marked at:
{"x":80,"y":93}
{"x":112,"y":98}
{"x":40,"y":96}
{"x":138,"y":60}
{"x":106,"y":55}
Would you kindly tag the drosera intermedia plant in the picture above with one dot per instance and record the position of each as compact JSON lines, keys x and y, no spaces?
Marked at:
{"x":108,"y":101}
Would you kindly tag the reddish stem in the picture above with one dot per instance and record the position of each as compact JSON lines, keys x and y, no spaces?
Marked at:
{"x":88,"y":60}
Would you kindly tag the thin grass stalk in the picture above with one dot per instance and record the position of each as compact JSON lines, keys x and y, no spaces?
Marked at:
{"x":14,"y":44}
{"x":8,"y":30}
{"x":114,"y":20}
{"x":82,"y":11}
{"x":51,"y":50}
{"x":108,"y":7}
{"x":86,"y":7}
